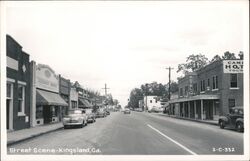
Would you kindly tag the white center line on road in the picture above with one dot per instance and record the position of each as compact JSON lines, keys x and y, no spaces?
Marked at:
{"x":193,"y":153}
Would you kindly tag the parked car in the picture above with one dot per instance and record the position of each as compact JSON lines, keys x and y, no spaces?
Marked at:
{"x":90,"y":115}
{"x":127,"y":111}
{"x":101,"y":112}
{"x":107,"y":112}
{"x":235,"y":119}
{"x":75,"y":117}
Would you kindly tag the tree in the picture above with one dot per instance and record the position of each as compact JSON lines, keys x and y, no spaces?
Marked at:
{"x":135,"y":95}
{"x":241,"y":55}
{"x":193,"y":63}
{"x":216,"y":58}
{"x":227,"y":56}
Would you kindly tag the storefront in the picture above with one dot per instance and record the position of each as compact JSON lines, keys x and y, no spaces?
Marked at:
{"x":64,"y":91}
{"x":17,"y":87}
{"x":48,"y":104}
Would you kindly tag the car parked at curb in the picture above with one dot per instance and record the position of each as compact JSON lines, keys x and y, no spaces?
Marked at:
{"x":100,"y":112}
{"x":75,"y":117}
{"x":91,"y":116}
{"x":235,"y":119}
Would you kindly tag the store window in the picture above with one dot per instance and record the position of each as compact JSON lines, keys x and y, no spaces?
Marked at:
{"x":39,"y":112}
{"x":233,"y":81}
{"x":21,"y":101}
{"x":215,"y":82}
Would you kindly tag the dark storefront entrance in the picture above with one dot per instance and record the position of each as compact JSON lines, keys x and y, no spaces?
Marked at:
{"x":7,"y":113}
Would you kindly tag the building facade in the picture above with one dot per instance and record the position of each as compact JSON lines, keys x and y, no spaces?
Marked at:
{"x":151,"y":102}
{"x":73,"y":97}
{"x":64,"y":91}
{"x":209,"y":92}
{"x":47,"y":104}
{"x":17,"y":86}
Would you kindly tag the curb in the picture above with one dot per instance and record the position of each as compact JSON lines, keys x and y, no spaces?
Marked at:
{"x":32,"y":136}
{"x":211,"y":123}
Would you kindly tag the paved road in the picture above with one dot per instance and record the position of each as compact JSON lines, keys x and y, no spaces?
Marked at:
{"x":138,"y":133}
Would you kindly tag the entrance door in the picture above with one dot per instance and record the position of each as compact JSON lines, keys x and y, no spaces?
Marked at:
{"x":8,"y":114}
{"x":47,"y":114}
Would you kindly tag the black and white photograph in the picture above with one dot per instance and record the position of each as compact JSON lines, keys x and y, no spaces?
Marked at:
{"x":124,"y":80}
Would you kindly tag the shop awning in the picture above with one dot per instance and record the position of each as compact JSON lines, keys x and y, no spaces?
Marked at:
{"x":49,"y":98}
{"x":84,"y":103}
{"x":194,"y":98}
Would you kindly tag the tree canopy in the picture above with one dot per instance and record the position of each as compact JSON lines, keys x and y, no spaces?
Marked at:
{"x":193,"y":63}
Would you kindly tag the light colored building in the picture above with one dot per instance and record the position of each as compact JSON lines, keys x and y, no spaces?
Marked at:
{"x":151,"y":102}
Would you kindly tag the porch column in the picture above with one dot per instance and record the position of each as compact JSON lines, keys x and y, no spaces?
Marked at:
{"x":189,"y":109}
{"x":195,"y":115}
{"x":202,"y":117}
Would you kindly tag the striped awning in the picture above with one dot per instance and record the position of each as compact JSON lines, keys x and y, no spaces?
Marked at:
{"x":49,"y":98}
{"x":84,"y":103}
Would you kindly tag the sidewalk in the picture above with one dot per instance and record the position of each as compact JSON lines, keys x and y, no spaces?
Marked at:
{"x":24,"y":134}
{"x":211,"y":122}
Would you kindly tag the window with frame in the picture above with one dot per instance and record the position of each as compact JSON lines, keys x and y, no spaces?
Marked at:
{"x":21,"y":101}
{"x":208,"y":82}
{"x":150,"y":101}
{"x":233,"y":81}
{"x":215,"y":82}
{"x":195,"y":87}
{"x":202,"y":85}
{"x":8,"y":90}
{"x":186,"y":90}
{"x":181,"y":92}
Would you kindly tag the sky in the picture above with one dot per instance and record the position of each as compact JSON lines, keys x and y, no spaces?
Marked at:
{"x":125,"y":44}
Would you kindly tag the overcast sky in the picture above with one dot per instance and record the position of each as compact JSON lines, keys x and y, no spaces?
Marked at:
{"x":124,"y":44}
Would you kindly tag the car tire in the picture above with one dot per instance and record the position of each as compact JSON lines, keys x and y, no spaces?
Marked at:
{"x":239,"y":127}
{"x":222,"y":124}
{"x":65,"y":126}
{"x":81,"y":126}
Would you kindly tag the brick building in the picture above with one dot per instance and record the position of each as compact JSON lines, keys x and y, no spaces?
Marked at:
{"x":18,"y":87}
{"x":210,"y":91}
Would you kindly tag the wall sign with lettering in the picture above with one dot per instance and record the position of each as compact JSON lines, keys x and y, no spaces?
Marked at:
{"x":46,"y":78}
{"x":233,"y":66}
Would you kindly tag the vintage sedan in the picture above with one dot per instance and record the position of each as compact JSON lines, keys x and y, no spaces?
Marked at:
{"x":235,"y":119}
{"x":90,"y":115}
{"x":75,"y":117}
{"x":101,"y":112}
{"x":127,"y":111}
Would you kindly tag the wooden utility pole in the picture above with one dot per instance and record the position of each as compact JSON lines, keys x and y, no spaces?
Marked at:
{"x":105,"y":88}
{"x":169,"y":81}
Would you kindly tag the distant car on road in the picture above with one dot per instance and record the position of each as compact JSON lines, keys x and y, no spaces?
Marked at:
{"x":235,"y":119}
{"x":90,"y":115}
{"x":75,"y":117}
{"x":101,"y":112}
{"x":127,"y":111}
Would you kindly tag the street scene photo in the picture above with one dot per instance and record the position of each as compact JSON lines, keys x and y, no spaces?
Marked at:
{"x":154,"y":78}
